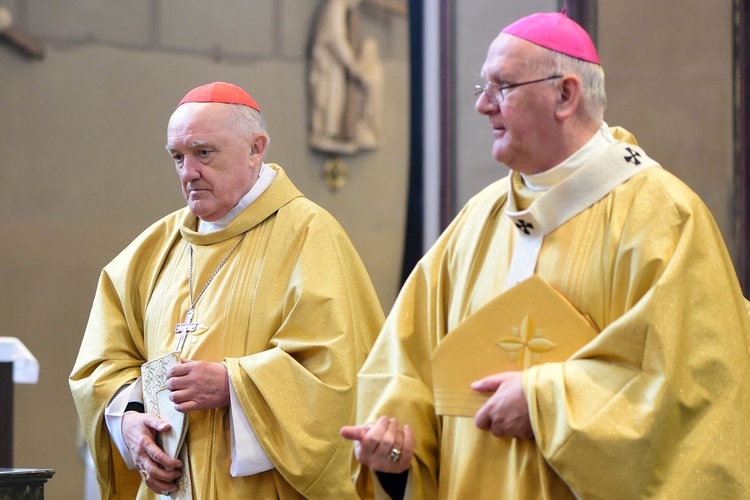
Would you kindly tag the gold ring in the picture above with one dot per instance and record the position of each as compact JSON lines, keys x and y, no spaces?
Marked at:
{"x":394,"y":455}
{"x":144,"y":475}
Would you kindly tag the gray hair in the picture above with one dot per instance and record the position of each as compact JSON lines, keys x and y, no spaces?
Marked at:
{"x":590,"y":74}
{"x":247,"y":121}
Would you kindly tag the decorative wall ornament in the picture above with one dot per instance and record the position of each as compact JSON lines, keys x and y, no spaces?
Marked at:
{"x":335,"y":173}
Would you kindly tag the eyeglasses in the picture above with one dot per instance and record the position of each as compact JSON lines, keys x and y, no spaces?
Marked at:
{"x":496,"y":92}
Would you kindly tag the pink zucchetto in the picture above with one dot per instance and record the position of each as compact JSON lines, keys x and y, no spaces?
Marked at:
{"x":220,"y":92}
{"x":555,"y":31}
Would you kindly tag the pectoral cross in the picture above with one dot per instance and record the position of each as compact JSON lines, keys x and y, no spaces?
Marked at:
{"x":184,"y":328}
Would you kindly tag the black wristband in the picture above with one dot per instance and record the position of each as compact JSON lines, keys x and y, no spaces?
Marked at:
{"x":135,"y":406}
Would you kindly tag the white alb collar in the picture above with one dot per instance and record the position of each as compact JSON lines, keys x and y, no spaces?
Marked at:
{"x":579,"y":190}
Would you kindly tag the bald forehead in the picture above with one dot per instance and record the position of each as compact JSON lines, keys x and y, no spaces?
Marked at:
{"x":510,"y":53}
{"x":199,"y":118}
{"x":199,"y":111}
{"x":197,"y":124}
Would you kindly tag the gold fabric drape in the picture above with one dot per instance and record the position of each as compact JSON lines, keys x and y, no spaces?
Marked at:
{"x":654,"y":407}
{"x":292,"y":314}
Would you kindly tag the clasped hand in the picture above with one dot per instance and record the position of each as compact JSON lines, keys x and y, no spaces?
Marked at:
{"x":375,"y":443}
{"x":198,"y":385}
{"x":193,"y":385}
{"x":158,"y":469}
{"x":505,"y":414}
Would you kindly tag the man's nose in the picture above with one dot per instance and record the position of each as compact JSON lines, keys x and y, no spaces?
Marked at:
{"x":485,"y":104}
{"x":189,"y":171}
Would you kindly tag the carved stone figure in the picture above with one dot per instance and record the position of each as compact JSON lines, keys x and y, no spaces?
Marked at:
{"x":340,"y":80}
{"x":371,"y":109}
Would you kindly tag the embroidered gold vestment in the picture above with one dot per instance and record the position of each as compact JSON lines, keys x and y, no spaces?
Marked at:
{"x":654,"y":407}
{"x":292,"y":314}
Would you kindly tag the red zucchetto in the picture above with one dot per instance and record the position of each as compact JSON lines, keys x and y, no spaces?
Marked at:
{"x":220,"y":92}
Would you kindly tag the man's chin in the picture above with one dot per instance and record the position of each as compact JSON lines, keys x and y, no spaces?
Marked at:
{"x":499,"y":153}
{"x":199,"y":210}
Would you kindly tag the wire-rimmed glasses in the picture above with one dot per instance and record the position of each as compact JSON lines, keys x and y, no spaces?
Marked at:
{"x":496,"y":92}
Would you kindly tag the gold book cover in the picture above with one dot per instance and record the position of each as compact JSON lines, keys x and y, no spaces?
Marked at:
{"x":529,"y":324}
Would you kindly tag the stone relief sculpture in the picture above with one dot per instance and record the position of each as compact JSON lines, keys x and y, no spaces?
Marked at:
{"x":371,"y":105}
{"x":346,"y":84}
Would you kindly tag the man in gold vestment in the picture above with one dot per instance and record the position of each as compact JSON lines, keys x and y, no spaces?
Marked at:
{"x":267,"y":302}
{"x":656,"y":405}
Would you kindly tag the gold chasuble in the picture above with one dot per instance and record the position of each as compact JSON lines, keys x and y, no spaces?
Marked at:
{"x":655,"y":406}
{"x":292,"y":314}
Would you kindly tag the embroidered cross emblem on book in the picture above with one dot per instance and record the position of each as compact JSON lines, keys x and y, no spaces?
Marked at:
{"x":633,"y":156}
{"x":524,"y":226}
{"x":526,"y":343}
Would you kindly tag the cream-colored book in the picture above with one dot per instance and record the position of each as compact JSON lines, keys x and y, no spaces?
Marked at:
{"x":156,"y":400}
{"x":529,"y":324}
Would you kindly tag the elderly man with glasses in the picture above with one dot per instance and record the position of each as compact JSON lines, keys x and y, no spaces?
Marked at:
{"x":650,"y":401}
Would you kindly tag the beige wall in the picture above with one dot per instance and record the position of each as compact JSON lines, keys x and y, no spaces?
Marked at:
{"x":669,"y":81}
{"x":83,"y":168}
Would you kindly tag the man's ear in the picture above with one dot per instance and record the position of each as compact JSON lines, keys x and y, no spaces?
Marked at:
{"x":259,"y":145}
{"x":569,"y":97}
